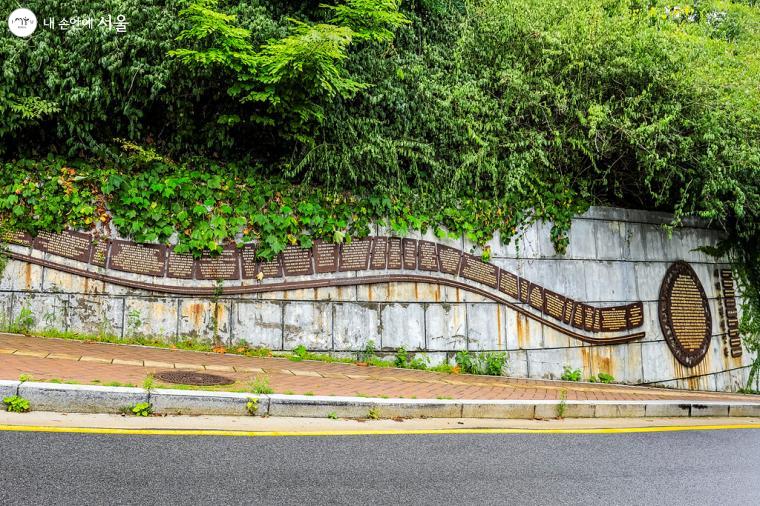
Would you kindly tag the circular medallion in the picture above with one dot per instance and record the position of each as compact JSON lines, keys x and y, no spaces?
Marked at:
{"x":684,"y":313}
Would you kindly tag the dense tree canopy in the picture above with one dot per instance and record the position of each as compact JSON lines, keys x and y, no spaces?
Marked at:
{"x":464,"y":115}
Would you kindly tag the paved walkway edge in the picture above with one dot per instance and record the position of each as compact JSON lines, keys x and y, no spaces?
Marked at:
{"x":99,"y":399}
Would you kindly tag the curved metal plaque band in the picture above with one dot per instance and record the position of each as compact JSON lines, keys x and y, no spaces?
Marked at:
{"x":321,"y":283}
{"x":685,"y":324}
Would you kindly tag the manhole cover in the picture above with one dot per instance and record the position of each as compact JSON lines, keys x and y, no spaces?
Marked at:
{"x":193,"y":378}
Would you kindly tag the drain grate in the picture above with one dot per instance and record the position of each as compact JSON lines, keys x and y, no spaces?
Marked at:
{"x":193,"y":378}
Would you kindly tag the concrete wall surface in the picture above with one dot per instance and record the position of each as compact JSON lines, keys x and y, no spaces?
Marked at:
{"x":615,"y":257}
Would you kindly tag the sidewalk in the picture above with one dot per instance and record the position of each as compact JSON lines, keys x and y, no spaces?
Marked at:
{"x":100,"y":364}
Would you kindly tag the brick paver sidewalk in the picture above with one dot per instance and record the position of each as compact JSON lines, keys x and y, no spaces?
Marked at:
{"x":101,"y":363}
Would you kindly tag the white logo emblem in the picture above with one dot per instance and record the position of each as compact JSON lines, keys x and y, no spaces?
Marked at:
{"x":22,"y":22}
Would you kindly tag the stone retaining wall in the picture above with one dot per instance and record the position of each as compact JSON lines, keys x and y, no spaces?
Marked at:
{"x":616,"y":257}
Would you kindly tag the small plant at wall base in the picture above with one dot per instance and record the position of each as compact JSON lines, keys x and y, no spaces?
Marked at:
{"x":367,"y":354}
{"x":16,"y":404}
{"x":485,"y":363}
{"x":24,"y":322}
{"x":299,"y":353}
{"x":570,"y":374}
{"x":602,"y":377}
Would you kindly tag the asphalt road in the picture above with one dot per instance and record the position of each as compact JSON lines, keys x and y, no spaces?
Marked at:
{"x":701,"y":467}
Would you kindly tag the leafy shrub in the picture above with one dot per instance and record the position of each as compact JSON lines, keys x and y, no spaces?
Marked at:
{"x":16,"y":404}
{"x":570,"y":374}
{"x":299,"y":353}
{"x":603,"y":377}
{"x":486,"y":363}
{"x":368,"y":353}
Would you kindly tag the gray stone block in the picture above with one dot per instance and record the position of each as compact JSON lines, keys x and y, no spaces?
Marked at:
{"x":403,"y":325}
{"x":355,"y":324}
{"x":748,"y":410}
{"x":573,"y":409}
{"x":204,"y":319}
{"x":446,"y":327}
{"x":95,"y":314}
{"x":150,"y":316}
{"x":582,"y":243}
{"x":197,"y":402}
{"x":486,"y":329}
{"x":259,"y":323}
{"x":709,"y":409}
{"x":358,"y":407}
{"x":610,"y":240}
{"x":21,"y":276}
{"x":498,"y":409}
{"x":667,"y":409}
{"x":620,"y":410}
{"x":80,"y":398}
{"x":8,"y":388}
{"x":308,"y":324}
{"x":48,"y":311}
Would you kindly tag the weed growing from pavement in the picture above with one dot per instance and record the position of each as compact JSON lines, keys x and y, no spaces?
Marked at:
{"x":332,"y":415}
{"x":142,"y":409}
{"x":260,"y":385}
{"x":148,"y":383}
{"x":252,"y":406}
{"x":562,"y":406}
{"x":373,"y":414}
{"x":16,"y":404}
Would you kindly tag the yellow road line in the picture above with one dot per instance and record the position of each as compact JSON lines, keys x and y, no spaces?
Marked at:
{"x":237,"y":433}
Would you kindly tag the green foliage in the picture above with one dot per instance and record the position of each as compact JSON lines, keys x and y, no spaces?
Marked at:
{"x":402,"y":357}
{"x":299,"y":353}
{"x":480,"y":116}
{"x":487,"y":363}
{"x":290,"y":75}
{"x":332,"y":415}
{"x":403,"y":360}
{"x":16,"y":404}
{"x":374,"y":413}
{"x":142,"y":409}
{"x":602,"y":377}
{"x":260,"y":385}
{"x":368,"y":353}
{"x":570,"y":374}
{"x":22,"y":112}
{"x":369,"y":19}
{"x":562,"y":405}
{"x":252,"y":406}
{"x":148,"y":383}
{"x":24,"y":322}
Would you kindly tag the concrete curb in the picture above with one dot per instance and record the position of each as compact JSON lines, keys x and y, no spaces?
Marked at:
{"x":8,"y":389}
{"x":100,"y":399}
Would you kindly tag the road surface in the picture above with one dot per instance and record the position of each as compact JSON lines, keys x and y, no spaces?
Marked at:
{"x":694,"y":467}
